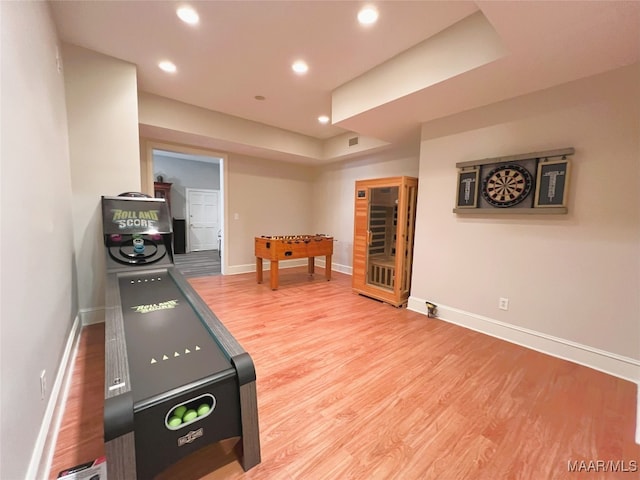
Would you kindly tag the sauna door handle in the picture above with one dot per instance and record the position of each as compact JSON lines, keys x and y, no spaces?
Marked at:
{"x":369,"y":237}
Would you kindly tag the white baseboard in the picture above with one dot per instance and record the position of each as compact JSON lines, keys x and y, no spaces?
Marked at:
{"x":266,"y":265}
{"x":89,"y":316}
{"x":299,"y":262}
{"x":607,"y":362}
{"x":337,"y":267}
{"x":44,"y":449}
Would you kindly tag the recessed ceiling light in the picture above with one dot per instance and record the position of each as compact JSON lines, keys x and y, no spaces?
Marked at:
{"x":368,"y":16}
{"x":323,"y":119}
{"x":300,"y":67}
{"x":188,"y":15}
{"x":167,"y":66}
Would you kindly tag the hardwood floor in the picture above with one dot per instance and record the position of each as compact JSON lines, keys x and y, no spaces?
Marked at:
{"x":80,"y":436}
{"x":350,"y":388}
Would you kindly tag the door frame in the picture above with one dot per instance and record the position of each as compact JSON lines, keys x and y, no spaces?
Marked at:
{"x":148,"y":145}
{"x":188,"y":214}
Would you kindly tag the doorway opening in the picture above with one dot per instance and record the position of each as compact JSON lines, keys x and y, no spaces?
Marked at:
{"x":193,"y":181}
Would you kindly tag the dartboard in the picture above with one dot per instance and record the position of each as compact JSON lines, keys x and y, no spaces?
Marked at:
{"x":507,"y":185}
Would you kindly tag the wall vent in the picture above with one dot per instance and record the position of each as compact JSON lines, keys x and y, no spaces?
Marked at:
{"x":353,"y":141}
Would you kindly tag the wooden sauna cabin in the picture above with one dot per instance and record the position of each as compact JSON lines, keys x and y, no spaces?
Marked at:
{"x":384,"y":227}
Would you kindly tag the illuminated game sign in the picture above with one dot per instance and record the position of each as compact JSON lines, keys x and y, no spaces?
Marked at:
{"x":129,"y":215}
{"x":136,"y":219}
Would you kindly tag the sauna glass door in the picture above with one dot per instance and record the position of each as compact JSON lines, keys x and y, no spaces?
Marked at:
{"x":381,"y":236}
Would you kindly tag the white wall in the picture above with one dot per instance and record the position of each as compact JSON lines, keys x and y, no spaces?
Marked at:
{"x":333,"y":196}
{"x":102,"y":106}
{"x":183,"y":174}
{"x":37,"y":293}
{"x":573,"y":277}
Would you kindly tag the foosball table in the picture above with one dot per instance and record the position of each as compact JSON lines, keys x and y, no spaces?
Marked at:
{"x":287,"y":247}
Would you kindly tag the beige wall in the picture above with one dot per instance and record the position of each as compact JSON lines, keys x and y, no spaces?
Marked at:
{"x":468,"y":44}
{"x":38,"y":292}
{"x":228,"y":132}
{"x":263,"y":196}
{"x":333,"y":195}
{"x":278,"y":198}
{"x":575,"y":277}
{"x":269,"y":198}
{"x":103,"y":137}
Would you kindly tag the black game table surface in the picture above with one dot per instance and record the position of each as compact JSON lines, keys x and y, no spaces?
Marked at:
{"x":167,"y":344}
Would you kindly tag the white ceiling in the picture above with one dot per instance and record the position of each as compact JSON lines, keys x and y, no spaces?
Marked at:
{"x":241,"y":49}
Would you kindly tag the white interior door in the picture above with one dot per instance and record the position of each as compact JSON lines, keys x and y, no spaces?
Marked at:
{"x":203,"y":208}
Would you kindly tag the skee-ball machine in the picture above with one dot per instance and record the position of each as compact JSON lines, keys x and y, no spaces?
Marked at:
{"x":175,"y":378}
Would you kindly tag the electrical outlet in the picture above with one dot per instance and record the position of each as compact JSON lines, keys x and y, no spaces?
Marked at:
{"x":503,"y":303}
{"x":43,"y":384}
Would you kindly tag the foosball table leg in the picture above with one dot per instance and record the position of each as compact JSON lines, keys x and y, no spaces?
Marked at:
{"x":312,"y":265}
{"x":259,"y":269}
{"x":274,"y":274}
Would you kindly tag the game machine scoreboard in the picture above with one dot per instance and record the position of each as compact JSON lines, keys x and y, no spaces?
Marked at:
{"x":176,"y":380}
{"x":286,"y":247}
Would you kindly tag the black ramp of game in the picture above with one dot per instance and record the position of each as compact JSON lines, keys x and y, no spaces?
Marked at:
{"x":175,"y":378}
{"x":168,"y":346}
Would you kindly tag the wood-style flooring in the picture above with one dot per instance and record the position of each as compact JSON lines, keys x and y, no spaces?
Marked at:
{"x":198,"y":264}
{"x":350,"y":388}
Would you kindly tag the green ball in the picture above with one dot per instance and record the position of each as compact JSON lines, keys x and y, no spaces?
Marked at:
{"x":203,"y":409}
{"x":189,"y":415}
{"x":175,"y":421}
{"x":180,"y":411}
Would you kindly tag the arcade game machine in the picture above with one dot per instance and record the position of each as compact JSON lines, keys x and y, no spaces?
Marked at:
{"x":176,"y":380}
